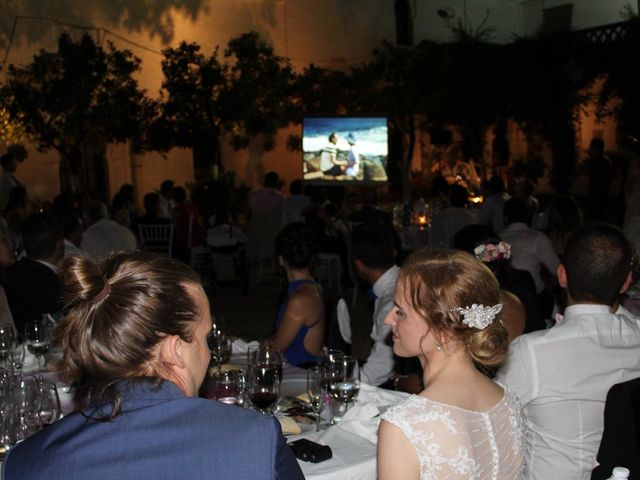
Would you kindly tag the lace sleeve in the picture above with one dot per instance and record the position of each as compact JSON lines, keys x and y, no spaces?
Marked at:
{"x":455,"y":443}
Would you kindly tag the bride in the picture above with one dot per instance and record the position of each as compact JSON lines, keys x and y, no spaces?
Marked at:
{"x":463,"y":424}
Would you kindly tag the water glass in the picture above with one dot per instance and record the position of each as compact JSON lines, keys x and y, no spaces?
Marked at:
{"x":317,"y":391}
{"x":220,"y":346}
{"x":344,"y":384}
{"x":49,"y":409}
{"x":37,"y":337}
{"x":225,"y":388}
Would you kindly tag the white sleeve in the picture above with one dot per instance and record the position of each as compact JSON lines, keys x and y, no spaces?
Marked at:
{"x":518,"y":373}
{"x":379,"y":366}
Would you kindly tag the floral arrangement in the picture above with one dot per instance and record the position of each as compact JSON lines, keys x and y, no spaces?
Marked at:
{"x":490,"y":252}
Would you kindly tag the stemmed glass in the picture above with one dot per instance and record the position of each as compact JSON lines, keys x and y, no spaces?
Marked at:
{"x":344,"y":383}
{"x":49,"y":410}
{"x":263,"y":387}
{"x":220,"y":346}
{"x":266,"y":354}
{"x":317,"y":390}
{"x":37,"y":337}
{"x":7,"y":340}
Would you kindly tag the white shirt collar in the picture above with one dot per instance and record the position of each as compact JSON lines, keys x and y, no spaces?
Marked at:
{"x":47,"y":264}
{"x":387,"y":278}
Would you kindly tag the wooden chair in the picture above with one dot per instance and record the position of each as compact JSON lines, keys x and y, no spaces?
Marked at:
{"x":156,"y":238}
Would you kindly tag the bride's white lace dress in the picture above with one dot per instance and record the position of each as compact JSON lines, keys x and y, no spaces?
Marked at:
{"x":455,"y":443}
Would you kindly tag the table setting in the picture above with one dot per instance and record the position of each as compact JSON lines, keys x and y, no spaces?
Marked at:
{"x":326,"y":404}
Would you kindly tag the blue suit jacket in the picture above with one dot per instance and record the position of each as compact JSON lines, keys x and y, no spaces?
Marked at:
{"x":160,"y":434}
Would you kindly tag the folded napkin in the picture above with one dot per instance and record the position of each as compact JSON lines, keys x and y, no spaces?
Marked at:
{"x":240,"y":346}
{"x":362,"y":420}
{"x":289,"y":426}
{"x":30,"y":364}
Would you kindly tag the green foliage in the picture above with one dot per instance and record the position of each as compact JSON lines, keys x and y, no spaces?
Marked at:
{"x":80,"y":93}
{"x":240,"y":96}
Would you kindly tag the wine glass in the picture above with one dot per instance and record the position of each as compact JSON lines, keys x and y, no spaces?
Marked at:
{"x":49,"y":409}
{"x":263,"y":387}
{"x":317,"y":390}
{"x":220,"y":347}
{"x":267,"y":355}
{"x":344,"y":383}
{"x":37,"y":337}
{"x":7,"y":339}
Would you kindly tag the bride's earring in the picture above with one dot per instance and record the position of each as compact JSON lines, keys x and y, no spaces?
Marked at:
{"x":438,"y":346}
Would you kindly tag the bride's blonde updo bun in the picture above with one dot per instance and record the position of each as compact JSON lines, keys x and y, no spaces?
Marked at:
{"x":438,"y":281}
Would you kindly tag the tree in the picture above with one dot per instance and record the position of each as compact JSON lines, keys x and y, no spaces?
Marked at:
{"x":75,"y":101}
{"x":246,"y":95}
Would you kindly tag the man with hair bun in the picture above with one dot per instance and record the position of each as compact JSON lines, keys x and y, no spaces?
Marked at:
{"x":135,"y":348}
{"x":562,"y":375}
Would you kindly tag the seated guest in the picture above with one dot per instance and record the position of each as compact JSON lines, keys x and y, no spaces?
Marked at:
{"x":300,"y":323}
{"x":73,"y":229}
{"x":448,"y":221}
{"x":520,"y":312}
{"x":374,"y":259}
{"x":462,"y":425}
{"x":619,"y":446}
{"x":531,"y":250}
{"x":104,"y":236}
{"x":188,"y":225}
{"x":562,"y":375}
{"x":33,"y":287}
{"x":151,"y":215}
{"x":135,"y":347}
{"x":6,"y":258}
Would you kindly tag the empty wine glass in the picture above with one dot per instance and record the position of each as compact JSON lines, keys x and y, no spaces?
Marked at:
{"x":49,"y":409}
{"x":344,"y":383}
{"x":263,"y":387}
{"x":37,"y":336}
{"x":7,"y":339}
{"x":267,"y":355}
{"x":317,"y":391}
{"x":220,"y":347}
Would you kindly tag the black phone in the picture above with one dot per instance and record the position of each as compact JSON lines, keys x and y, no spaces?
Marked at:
{"x":309,"y":451}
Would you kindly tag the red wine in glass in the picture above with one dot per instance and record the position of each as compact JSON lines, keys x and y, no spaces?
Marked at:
{"x":264,"y":400}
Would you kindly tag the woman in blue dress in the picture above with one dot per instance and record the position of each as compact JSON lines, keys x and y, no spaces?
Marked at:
{"x":300,"y":324}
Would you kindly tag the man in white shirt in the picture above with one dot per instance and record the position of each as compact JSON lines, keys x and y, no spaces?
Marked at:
{"x":374,"y":260}
{"x":450,"y":220}
{"x":104,"y":236}
{"x":329,"y":163}
{"x":562,"y":375}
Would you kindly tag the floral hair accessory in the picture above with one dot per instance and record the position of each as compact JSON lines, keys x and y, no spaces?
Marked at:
{"x":478,"y":316}
{"x":490,"y":252}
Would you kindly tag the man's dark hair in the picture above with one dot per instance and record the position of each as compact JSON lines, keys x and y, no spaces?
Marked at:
{"x":41,"y":233}
{"x":372,"y":244}
{"x":71,"y":221}
{"x":458,"y":196}
{"x":598,"y":258}
{"x":272,"y":180}
{"x":516,"y":210}
{"x":151,"y":201}
{"x":6,"y":159}
{"x":295,"y":187}
{"x":166,"y":187}
{"x":597,"y":144}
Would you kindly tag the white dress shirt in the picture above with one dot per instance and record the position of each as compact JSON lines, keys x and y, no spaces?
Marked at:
{"x":106,"y":236}
{"x":531,"y":249}
{"x":71,"y":249}
{"x":379,"y":366}
{"x":562,"y":376}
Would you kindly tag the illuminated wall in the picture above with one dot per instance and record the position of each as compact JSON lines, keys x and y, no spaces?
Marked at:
{"x":329,"y":33}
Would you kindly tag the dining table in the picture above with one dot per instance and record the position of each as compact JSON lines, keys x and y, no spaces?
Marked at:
{"x":352,"y":441}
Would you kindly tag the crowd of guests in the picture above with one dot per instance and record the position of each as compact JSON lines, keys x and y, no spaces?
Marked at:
{"x":519,"y":335}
